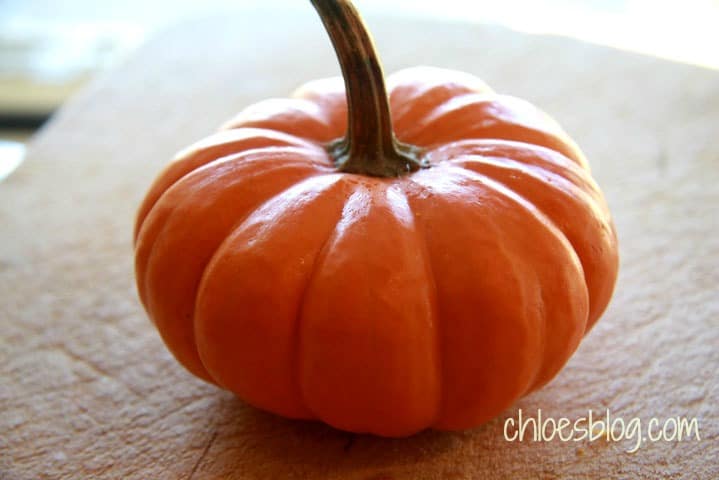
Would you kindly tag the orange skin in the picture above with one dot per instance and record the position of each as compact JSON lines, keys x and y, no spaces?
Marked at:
{"x":383,"y":305}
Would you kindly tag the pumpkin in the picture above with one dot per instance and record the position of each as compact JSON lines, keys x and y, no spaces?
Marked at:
{"x":382,"y":257}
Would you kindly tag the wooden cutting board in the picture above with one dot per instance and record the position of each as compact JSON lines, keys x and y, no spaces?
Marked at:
{"x":89,"y":391}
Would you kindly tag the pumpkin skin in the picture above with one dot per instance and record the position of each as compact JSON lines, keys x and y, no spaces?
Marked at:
{"x":382,"y":305}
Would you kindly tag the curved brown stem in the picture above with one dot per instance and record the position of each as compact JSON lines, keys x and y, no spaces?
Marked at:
{"x":370,"y":146}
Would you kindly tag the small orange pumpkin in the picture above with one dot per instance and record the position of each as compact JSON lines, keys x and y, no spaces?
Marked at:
{"x":423,"y":264}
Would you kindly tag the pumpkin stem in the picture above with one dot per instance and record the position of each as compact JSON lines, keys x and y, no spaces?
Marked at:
{"x":370,"y":146}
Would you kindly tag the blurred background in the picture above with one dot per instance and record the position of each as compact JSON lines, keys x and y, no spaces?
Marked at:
{"x":50,"y":49}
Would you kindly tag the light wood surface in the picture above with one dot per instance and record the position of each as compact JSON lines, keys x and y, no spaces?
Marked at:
{"x":87,"y":390}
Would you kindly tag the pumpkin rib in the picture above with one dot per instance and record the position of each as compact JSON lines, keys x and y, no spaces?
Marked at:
{"x":597,"y":228}
{"x":533,"y":157}
{"x":407,"y":95}
{"x":150,"y":261}
{"x":522,"y":152}
{"x":543,"y":335}
{"x":439,"y":345}
{"x":568,"y":191}
{"x":330,"y":96}
{"x":507,"y":192}
{"x":543,"y":376}
{"x":384,"y":342}
{"x":232,"y":229}
{"x":212,"y":148}
{"x":236,"y":226}
{"x":297,"y":347}
{"x":432,"y":292}
{"x":516,"y":197}
{"x":294,"y":116}
{"x":198,"y":171}
{"x":333,"y":181}
{"x":314,"y":269}
{"x":520,"y":277}
{"x":490,"y":116}
{"x":450,"y":203}
{"x":538,"y":172}
{"x":418,"y":100}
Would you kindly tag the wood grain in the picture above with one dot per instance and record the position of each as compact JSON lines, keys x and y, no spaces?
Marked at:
{"x":89,"y":391}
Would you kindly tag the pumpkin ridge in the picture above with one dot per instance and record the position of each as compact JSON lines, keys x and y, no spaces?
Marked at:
{"x":570,"y":189}
{"x":494,"y":116}
{"x":297,"y":329}
{"x":521,"y":281}
{"x":448,"y":106}
{"x":368,"y":199}
{"x":538,"y":172}
{"x":207,"y":147}
{"x":507,"y":192}
{"x":329,"y":95}
{"x":237,"y":226}
{"x":439,"y":345}
{"x":543,"y":338}
{"x":446,"y":420}
{"x":422,"y":98}
{"x":436,"y":82}
{"x":229,"y":157}
{"x":315,"y":269}
{"x":560,"y":184}
{"x":526,"y":154}
{"x":163,"y":229}
{"x":518,"y":198}
{"x":143,"y":282}
{"x":281,"y":115}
